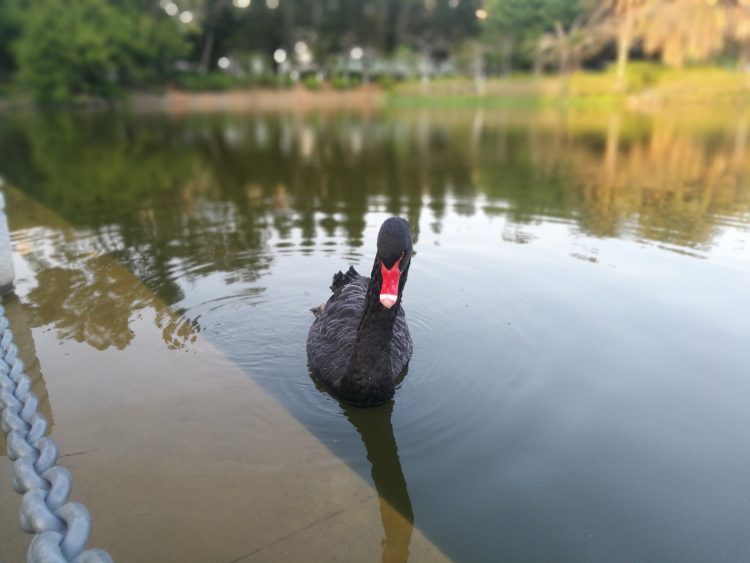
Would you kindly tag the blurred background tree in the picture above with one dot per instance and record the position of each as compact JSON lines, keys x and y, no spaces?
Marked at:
{"x":513,"y":28}
{"x":689,"y":30}
{"x":91,"y":47}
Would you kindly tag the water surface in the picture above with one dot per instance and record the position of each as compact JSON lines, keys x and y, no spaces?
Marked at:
{"x":578,"y":302}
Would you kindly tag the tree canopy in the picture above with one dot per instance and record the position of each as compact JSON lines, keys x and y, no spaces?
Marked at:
{"x":91,"y":47}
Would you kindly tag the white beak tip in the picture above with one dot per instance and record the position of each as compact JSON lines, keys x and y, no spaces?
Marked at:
{"x":388,"y":300}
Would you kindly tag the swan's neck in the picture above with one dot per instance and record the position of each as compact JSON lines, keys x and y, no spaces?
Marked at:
{"x":369,"y":377}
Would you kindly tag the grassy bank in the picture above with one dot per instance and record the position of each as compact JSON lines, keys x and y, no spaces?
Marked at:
{"x":649,"y":86}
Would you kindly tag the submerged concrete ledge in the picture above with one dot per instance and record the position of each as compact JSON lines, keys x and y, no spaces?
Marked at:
{"x":180,"y":456}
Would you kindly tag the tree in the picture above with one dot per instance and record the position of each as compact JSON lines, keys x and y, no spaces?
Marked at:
{"x":92,"y":48}
{"x":683,"y":30}
{"x":627,"y":16}
{"x":569,"y":46}
{"x":630,"y":12}
{"x":514,"y":26}
{"x":623,"y":21}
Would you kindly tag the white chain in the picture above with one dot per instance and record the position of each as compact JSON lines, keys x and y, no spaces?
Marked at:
{"x":61,"y":528}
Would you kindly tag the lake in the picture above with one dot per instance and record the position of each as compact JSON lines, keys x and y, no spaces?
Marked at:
{"x":578,"y":302}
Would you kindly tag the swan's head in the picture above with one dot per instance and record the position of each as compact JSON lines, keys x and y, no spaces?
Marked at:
{"x":394,"y":254}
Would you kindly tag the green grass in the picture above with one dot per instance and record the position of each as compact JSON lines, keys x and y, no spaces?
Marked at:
{"x":648,"y":84}
{"x":398,"y":100}
{"x":474,"y":101}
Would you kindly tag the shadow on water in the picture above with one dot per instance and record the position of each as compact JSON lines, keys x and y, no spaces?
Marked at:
{"x":396,"y":514}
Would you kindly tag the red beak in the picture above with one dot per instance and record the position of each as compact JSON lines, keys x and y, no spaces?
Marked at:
{"x":389,"y":288}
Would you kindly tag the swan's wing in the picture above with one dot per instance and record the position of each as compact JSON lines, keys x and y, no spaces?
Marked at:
{"x":341,"y":314}
{"x":341,"y":279}
{"x":332,"y":335}
{"x":401,"y":344}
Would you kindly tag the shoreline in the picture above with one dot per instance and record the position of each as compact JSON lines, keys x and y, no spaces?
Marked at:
{"x":297,"y":99}
{"x":583,"y":90}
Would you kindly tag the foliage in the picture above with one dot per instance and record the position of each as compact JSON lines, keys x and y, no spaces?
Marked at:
{"x":312,"y":83}
{"x":212,"y":81}
{"x":686,"y":30}
{"x":10,"y":29}
{"x":522,"y":22}
{"x":387,"y":83}
{"x":331,"y":27}
{"x":340,"y":82}
{"x":154,"y":45}
{"x":91,"y":48}
{"x":679,"y":31}
{"x":643,"y":75}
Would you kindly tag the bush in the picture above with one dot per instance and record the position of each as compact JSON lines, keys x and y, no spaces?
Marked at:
{"x":642,"y":75}
{"x":386,"y":83}
{"x":340,"y":82}
{"x":69,"y":50}
{"x":212,"y":81}
{"x":271,"y":80}
{"x":312,"y":83}
{"x":285,"y":81}
{"x":267,"y":79}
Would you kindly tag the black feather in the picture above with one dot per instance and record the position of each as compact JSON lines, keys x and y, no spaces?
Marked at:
{"x":357,"y":347}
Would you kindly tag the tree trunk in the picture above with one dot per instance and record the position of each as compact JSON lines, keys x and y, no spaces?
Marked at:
{"x":365,"y":69}
{"x":563,"y":58}
{"x":402,"y":22}
{"x":426,"y":63}
{"x":208,"y":47}
{"x":479,"y":69}
{"x":538,"y":63}
{"x":624,"y":40}
{"x":287,"y":13}
{"x":507,"y":53}
{"x":743,"y":60}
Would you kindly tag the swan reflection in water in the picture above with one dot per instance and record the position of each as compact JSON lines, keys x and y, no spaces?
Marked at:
{"x":375,"y":428}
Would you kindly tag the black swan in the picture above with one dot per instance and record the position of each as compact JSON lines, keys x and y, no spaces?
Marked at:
{"x":359,"y":343}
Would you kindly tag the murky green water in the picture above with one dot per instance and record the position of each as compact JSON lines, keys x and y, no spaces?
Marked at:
{"x":579,"y":302}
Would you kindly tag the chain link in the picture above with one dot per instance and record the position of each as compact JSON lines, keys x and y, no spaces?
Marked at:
{"x":61,"y":528}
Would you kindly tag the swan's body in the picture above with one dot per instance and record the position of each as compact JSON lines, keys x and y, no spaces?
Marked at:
{"x":359,"y":342}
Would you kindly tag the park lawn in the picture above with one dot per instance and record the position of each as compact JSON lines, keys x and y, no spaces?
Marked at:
{"x":649,"y":85}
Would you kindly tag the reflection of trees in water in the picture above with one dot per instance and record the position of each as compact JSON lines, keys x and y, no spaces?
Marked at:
{"x":164,"y":244}
{"x":86,"y":296}
{"x":177,"y":200}
{"x":89,"y":305}
{"x":670,"y":185}
{"x":187,"y":197}
{"x":660,"y":178}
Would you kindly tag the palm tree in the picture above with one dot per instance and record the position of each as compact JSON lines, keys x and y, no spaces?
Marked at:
{"x":628,"y":15}
{"x":567,"y":47}
{"x":683,"y":30}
